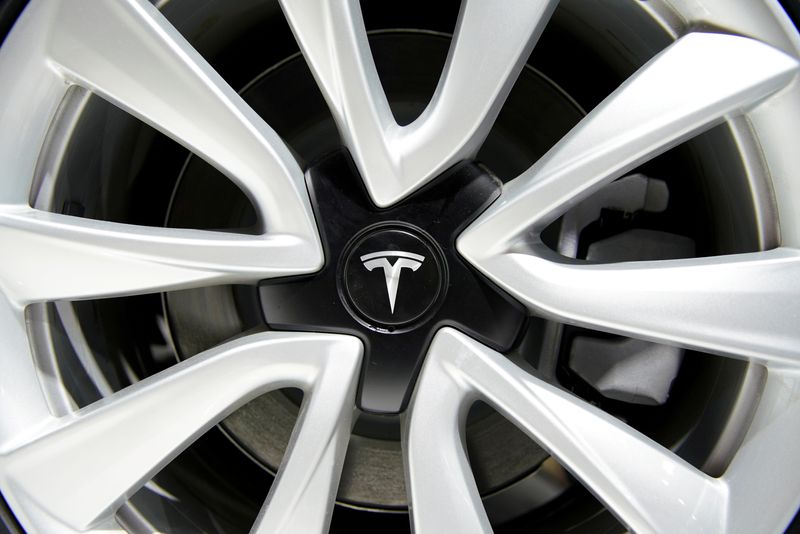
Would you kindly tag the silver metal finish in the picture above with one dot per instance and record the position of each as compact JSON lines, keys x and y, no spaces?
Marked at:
{"x":111,"y":48}
{"x":604,"y":453}
{"x":129,"y":54}
{"x":70,"y":472}
{"x":395,"y":160}
{"x":392,"y":271}
{"x":74,"y":471}
{"x":107,"y":259}
{"x":702,"y":303}
{"x":647,"y":487}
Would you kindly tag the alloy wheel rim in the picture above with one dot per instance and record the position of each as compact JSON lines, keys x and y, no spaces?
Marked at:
{"x":741,"y":75}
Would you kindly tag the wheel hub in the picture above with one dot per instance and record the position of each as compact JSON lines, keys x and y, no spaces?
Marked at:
{"x":393,"y":277}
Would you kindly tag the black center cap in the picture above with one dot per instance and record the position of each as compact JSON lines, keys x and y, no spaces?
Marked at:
{"x":393,"y":275}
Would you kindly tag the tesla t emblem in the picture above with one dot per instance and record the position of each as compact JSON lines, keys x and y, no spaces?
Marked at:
{"x":391,"y":271}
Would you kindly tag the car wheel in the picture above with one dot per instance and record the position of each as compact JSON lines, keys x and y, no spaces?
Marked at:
{"x":302,"y":265}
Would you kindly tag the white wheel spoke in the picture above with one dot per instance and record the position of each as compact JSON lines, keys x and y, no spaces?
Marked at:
{"x":438,"y":475}
{"x":62,"y":257}
{"x":772,"y":439}
{"x":694,"y":84}
{"x":646,"y":486}
{"x":85,"y":465}
{"x":126,"y":51}
{"x":20,"y":383}
{"x":394,"y":160}
{"x":303,"y":494}
{"x":742,"y":305}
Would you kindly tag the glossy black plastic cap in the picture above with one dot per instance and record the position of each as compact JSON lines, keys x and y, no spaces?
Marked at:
{"x":393,"y":277}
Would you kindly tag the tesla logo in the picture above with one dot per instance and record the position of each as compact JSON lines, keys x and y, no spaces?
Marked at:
{"x":391,"y":271}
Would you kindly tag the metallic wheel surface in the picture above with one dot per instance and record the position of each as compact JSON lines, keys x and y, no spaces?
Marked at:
{"x":355,"y":266}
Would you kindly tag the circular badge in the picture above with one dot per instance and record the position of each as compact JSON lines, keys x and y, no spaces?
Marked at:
{"x":392,"y":275}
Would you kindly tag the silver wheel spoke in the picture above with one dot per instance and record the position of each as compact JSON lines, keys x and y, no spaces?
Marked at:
{"x":715,"y":304}
{"x":127,"y":52}
{"x":85,"y":465}
{"x":646,"y":486}
{"x":691,"y":86}
{"x":20,"y":381}
{"x":763,"y":456}
{"x":396,"y":160}
{"x":304,"y":492}
{"x":433,"y":437}
{"x":103,"y":258}
{"x":742,"y":305}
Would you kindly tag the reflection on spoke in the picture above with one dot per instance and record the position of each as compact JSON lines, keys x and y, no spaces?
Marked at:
{"x":649,"y":488}
{"x":395,"y":160}
{"x":714,"y":304}
{"x":743,"y":305}
{"x":126,"y":51}
{"x":83,"y":466}
{"x":63,"y":257}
